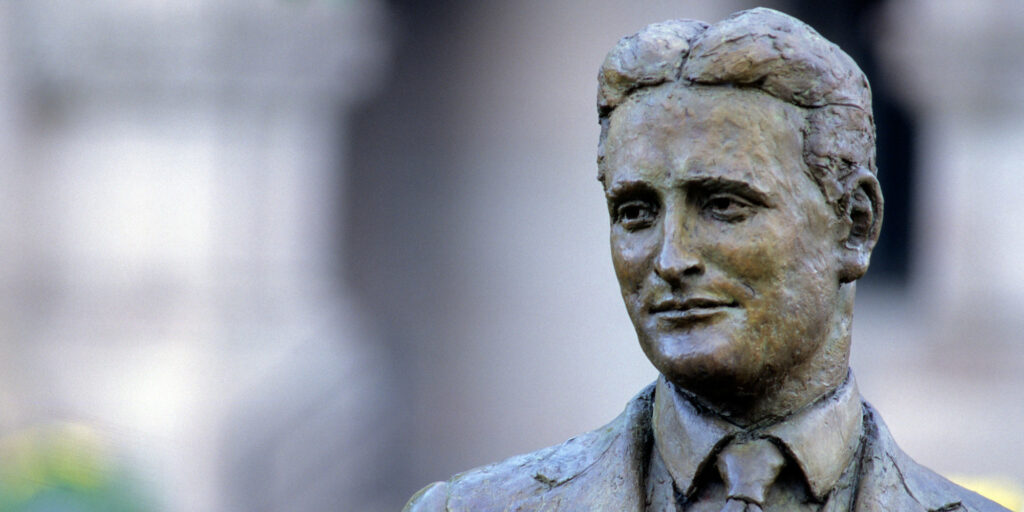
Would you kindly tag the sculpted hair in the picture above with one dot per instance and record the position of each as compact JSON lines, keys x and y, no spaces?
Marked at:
{"x":764,"y":50}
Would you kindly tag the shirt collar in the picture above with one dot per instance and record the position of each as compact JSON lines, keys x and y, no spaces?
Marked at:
{"x":822,"y":437}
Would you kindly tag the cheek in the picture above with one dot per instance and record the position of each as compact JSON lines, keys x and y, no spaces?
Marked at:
{"x":753,"y":255}
{"x":772,"y":251}
{"x":632,"y":257}
{"x":786,"y":268}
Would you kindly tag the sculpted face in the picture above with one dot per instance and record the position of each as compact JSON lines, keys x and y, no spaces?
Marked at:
{"x":725,"y":249}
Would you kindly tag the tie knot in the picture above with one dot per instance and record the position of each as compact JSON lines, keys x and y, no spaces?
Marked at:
{"x":748,"y":469}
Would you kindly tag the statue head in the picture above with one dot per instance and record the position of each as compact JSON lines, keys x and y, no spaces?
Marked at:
{"x":738,"y":160}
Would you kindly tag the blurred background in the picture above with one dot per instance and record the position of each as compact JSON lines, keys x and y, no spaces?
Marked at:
{"x":315,"y":254}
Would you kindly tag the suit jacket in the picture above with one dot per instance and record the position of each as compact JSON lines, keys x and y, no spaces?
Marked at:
{"x":604,"y":470}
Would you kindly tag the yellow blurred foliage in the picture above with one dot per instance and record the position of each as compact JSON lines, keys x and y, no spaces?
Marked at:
{"x":66,"y":463}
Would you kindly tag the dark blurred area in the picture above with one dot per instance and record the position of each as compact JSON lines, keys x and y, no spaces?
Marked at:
{"x":314,"y":254}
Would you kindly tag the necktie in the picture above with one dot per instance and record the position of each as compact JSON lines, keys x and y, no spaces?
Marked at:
{"x":748,"y":469}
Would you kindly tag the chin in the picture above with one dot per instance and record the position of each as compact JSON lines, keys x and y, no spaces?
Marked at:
{"x":715,"y":367}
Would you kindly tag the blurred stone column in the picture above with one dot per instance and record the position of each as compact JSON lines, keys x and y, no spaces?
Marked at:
{"x":178,"y":257}
{"x":12,"y":96}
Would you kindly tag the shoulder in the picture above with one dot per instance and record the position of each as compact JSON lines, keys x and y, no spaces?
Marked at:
{"x":429,"y":499}
{"x":591,"y":467}
{"x":891,"y":480}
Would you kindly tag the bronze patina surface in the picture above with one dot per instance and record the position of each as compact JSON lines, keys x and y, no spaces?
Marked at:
{"x":738,"y":162}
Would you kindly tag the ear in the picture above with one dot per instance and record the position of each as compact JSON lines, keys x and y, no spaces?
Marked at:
{"x":861,"y":222}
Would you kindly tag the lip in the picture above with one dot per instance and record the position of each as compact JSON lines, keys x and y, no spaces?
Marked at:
{"x":690,"y":310}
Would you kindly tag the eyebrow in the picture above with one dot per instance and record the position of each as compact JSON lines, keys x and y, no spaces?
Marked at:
{"x":719,"y":183}
{"x":703,"y":183}
{"x":626,"y":187}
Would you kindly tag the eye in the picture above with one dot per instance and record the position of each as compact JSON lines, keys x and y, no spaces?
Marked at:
{"x":635,"y":214}
{"x":727,"y":207}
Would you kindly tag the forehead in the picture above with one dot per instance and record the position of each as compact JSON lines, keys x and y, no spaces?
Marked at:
{"x":672,"y":129}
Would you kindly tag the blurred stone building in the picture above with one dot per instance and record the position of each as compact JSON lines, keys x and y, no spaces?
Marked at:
{"x":313,"y":254}
{"x":171,"y":181}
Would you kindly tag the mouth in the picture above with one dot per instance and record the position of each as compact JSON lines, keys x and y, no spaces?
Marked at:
{"x":691,"y":309}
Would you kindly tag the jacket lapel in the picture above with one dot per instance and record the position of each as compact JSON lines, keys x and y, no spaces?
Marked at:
{"x":890,"y":480}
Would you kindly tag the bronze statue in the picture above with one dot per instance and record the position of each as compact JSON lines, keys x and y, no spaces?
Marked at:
{"x":738,"y":160}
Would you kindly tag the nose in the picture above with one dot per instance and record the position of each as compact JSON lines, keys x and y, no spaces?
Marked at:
{"x":678,"y":257}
